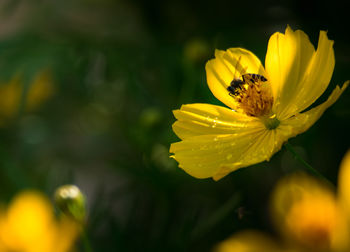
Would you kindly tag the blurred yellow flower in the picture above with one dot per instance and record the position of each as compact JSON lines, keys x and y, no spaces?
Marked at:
{"x":13,"y":93}
{"x":308,"y":214}
{"x":250,"y":241}
{"x":29,"y":225}
{"x":196,"y":50}
{"x":266,"y":104}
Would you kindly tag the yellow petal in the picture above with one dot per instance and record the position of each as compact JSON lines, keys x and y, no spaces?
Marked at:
{"x":305,"y":210}
{"x":249,"y":241}
{"x":228,"y":65}
{"x":29,"y":220}
{"x":341,"y":242}
{"x":316,"y":78}
{"x":215,"y":156}
{"x":207,"y":119}
{"x":40,"y":90}
{"x":343,"y":184}
{"x":67,"y":232}
{"x":30,"y":225}
{"x":287,"y":60}
{"x":302,"y":122}
{"x":10,"y":94}
{"x":217,"y":140}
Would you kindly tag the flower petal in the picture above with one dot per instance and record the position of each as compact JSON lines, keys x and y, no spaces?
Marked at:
{"x":217,"y":140}
{"x":249,"y":241}
{"x":343,"y":184}
{"x":287,"y":66}
{"x":342,"y":242}
{"x":305,"y":210}
{"x":206,"y":119}
{"x":216,"y":156}
{"x":228,"y":65}
{"x":302,"y":122}
{"x":259,"y":147}
{"x":317,"y":76}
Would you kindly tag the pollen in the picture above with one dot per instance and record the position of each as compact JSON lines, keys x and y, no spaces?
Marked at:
{"x":253,"y":95}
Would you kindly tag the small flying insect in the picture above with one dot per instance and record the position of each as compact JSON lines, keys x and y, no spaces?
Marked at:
{"x":237,"y":84}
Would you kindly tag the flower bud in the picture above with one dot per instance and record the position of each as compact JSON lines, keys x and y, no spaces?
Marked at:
{"x":70,"y":200}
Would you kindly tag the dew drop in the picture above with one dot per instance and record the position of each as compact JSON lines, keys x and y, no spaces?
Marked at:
{"x":229,"y":156}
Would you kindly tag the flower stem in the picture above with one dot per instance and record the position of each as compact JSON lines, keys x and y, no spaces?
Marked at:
{"x":85,"y":240}
{"x":217,"y":216}
{"x":301,"y":160}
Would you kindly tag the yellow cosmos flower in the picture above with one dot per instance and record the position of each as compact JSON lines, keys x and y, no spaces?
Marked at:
{"x":29,"y":225}
{"x":266,"y":105}
{"x":308,"y":214}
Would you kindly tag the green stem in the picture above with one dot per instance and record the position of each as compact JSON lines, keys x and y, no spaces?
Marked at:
{"x":306,"y":165}
{"x":216,"y":217}
{"x":85,"y":240}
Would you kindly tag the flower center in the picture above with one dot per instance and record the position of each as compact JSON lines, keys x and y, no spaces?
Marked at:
{"x":271,"y":122}
{"x":311,"y":222}
{"x":253,"y":94}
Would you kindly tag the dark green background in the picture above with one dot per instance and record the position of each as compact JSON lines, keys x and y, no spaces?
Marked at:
{"x":120,"y":68}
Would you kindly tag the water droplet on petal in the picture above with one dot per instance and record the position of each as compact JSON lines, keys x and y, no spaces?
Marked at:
{"x":203,"y":147}
{"x":229,"y":156}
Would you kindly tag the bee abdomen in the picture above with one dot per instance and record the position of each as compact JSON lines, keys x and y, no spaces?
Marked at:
{"x":253,"y":78}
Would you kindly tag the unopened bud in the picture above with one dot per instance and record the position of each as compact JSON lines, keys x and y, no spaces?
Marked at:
{"x":70,"y":200}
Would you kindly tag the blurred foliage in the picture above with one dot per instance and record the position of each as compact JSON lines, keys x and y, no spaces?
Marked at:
{"x":119,"y":68}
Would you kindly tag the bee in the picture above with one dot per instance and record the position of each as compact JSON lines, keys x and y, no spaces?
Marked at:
{"x":237,"y":85}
